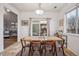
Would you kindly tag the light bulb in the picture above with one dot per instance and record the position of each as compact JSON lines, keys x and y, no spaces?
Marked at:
{"x":7,"y":10}
{"x":39,"y":12}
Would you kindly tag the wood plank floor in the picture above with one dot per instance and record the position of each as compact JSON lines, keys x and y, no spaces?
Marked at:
{"x":9,"y":41}
{"x":12,"y":46}
{"x":59,"y":53}
{"x":14,"y":50}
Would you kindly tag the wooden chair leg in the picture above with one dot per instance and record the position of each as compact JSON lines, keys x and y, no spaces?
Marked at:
{"x":55,"y":50}
{"x":24,"y":49}
{"x":52,"y":50}
{"x":45,"y":50}
{"x":40,"y":51}
{"x":21,"y":52}
{"x":32,"y":51}
{"x":29,"y":50}
{"x":63,"y":51}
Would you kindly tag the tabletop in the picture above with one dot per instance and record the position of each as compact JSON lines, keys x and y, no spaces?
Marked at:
{"x":42,"y":38}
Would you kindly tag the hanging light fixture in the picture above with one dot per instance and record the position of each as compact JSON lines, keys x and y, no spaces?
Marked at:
{"x":39,"y":11}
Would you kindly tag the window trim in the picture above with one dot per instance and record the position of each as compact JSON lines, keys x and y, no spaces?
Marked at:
{"x":77,"y":18}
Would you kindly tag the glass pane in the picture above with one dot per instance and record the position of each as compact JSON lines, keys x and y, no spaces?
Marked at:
{"x":71,"y":22}
{"x":35,"y":29}
{"x":43,"y":29}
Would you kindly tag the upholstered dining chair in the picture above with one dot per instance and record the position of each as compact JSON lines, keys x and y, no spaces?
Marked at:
{"x":52,"y":45}
{"x":24,"y":45}
{"x":60,"y":44}
{"x":35,"y":46}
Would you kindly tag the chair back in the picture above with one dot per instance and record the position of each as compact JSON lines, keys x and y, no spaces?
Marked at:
{"x":23,"y":42}
{"x":36,"y":42}
{"x":61,"y":42}
{"x":49,"y":42}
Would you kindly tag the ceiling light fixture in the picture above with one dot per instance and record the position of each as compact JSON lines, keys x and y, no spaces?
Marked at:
{"x":39,"y":11}
{"x":7,"y":10}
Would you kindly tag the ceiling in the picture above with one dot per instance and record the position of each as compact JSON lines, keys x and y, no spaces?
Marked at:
{"x":48,"y":7}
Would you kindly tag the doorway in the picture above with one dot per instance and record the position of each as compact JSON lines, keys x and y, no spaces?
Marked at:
{"x":10,"y":28}
{"x":39,"y":28}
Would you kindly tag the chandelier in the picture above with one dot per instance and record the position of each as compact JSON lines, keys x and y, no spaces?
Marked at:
{"x":39,"y":11}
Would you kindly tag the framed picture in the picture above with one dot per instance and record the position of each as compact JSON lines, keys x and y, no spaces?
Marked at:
{"x":24,"y":22}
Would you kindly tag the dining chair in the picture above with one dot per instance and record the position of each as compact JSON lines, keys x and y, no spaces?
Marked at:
{"x":60,"y":44}
{"x":24,"y":45}
{"x":35,"y":46}
{"x":52,"y":45}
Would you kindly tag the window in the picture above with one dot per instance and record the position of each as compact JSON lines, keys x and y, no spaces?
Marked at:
{"x":72,"y":21}
{"x":39,"y":28}
{"x":35,"y":31}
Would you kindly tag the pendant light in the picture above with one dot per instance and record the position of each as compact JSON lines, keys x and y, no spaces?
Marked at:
{"x":39,"y":11}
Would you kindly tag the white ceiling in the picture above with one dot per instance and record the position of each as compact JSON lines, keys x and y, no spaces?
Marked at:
{"x":29,"y":7}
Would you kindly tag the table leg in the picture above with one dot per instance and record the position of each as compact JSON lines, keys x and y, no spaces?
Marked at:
{"x":29,"y":49}
{"x":55,"y":50}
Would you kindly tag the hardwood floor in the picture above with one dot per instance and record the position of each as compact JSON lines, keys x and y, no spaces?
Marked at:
{"x":9,"y":41}
{"x":15,"y":49}
{"x":59,"y":53}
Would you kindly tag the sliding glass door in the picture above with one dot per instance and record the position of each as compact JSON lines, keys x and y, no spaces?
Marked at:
{"x":35,"y":29}
{"x":39,"y":28}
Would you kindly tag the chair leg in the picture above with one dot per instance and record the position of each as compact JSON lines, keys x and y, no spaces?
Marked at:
{"x":32,"y":52}
{"x":55,"y":50}
{"x":24,"y":49}
{"x":29,"y":50}
{"x":45,"y":50}
{"x":52,"y":51}
{"x":63,"y":51}
{"x":21,"y":52}
{"x":40,"y":51}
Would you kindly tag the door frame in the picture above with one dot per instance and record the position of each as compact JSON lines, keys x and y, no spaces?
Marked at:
{"x":44,"y":19}
{"x":16,"y":24}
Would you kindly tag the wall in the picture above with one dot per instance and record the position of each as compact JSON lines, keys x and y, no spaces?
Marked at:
{"x":2,"y":21}
{"x":73,"y":39}
{"x":24,"y":30}
{"x":1,"y":28}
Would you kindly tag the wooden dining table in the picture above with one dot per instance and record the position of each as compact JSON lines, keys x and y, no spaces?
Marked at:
{"x":29,"y":39}
{"x":41,"y":39}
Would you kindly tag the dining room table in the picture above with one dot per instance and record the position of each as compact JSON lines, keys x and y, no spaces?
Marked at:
{"x":41,"y":39}
{"x":53,"y":38}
